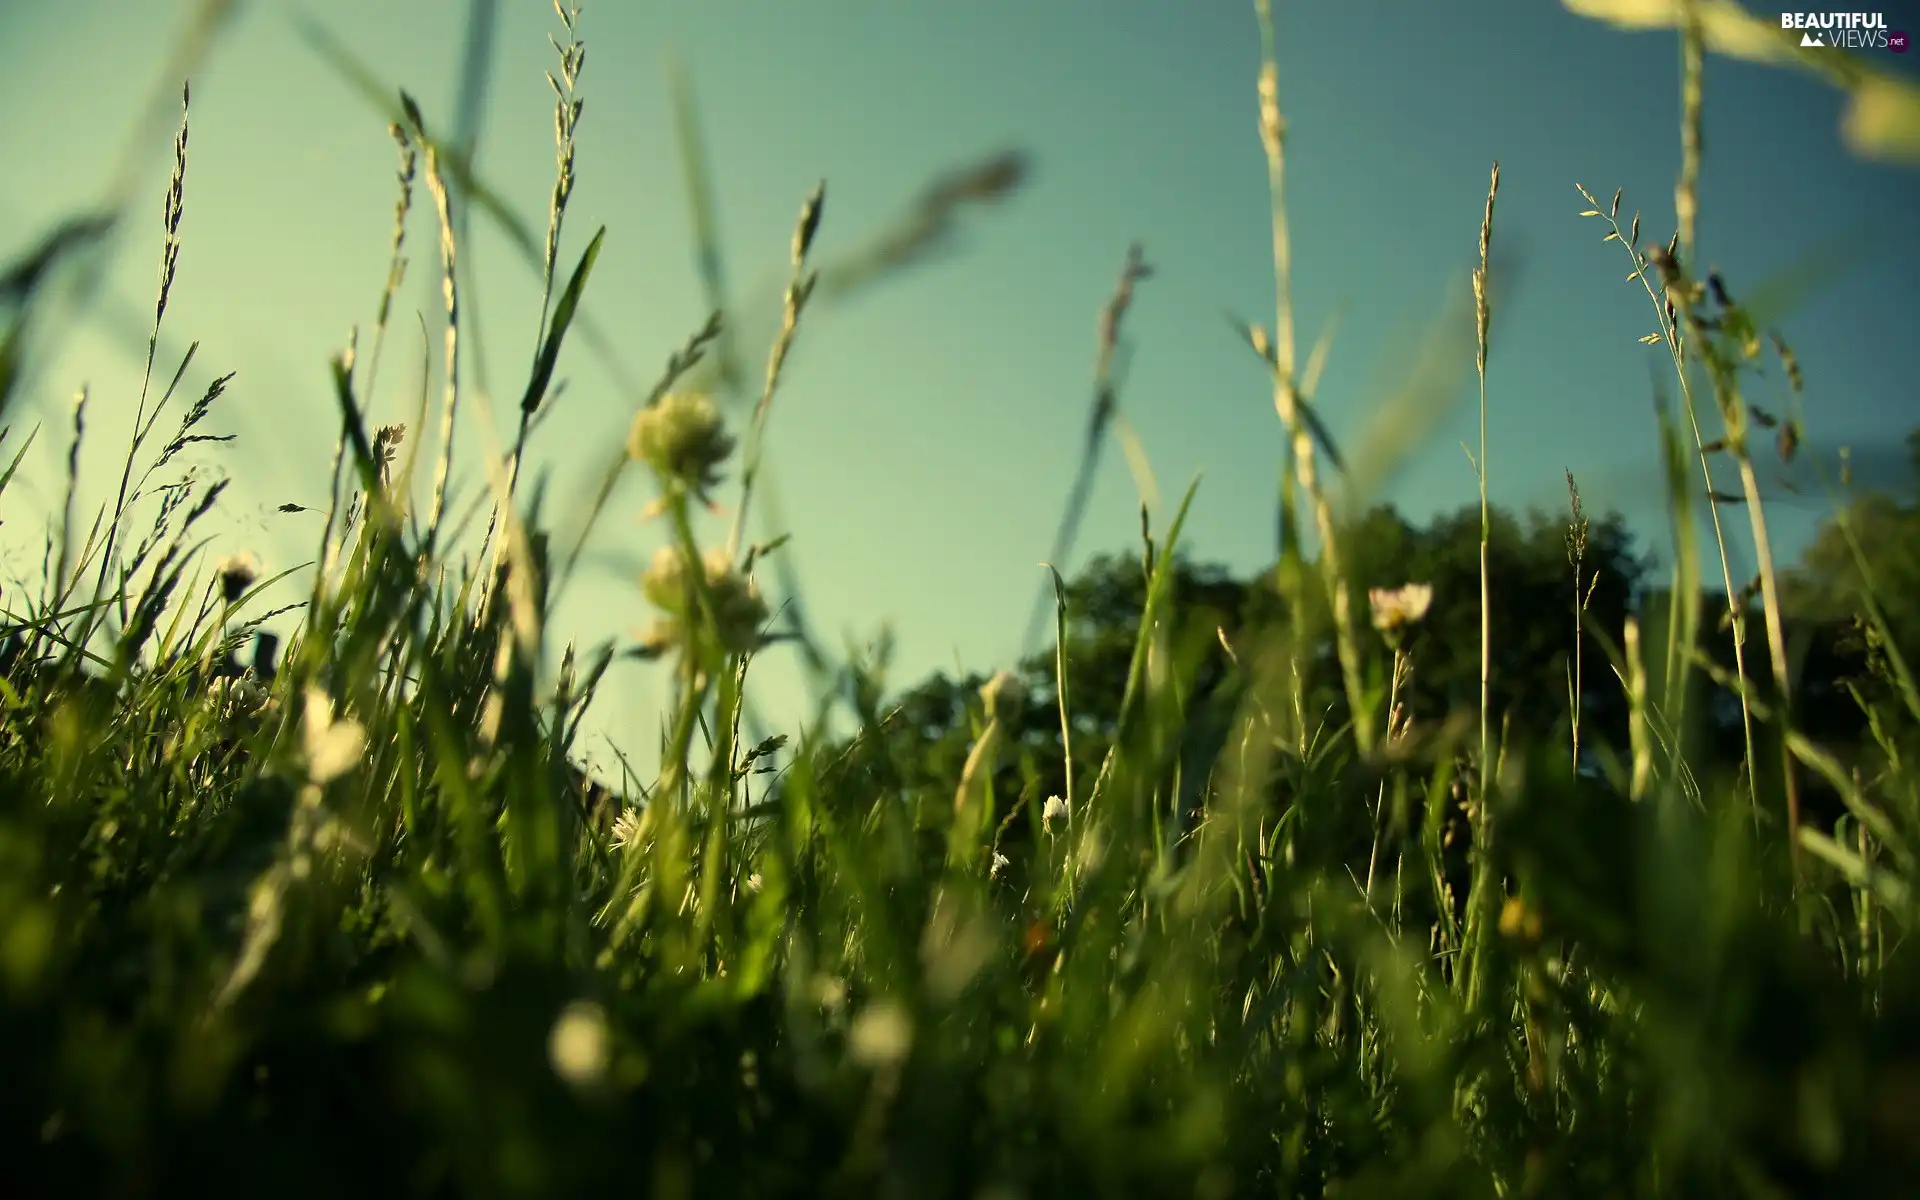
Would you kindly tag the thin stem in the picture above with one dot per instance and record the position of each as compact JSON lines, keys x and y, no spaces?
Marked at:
{"x":1273,"y":132}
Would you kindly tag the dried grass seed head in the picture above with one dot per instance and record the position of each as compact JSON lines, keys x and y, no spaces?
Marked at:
{"x":1577,"y":527}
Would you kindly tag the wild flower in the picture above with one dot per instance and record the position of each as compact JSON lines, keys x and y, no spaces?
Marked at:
{"x":238,"y":695}
{"x":1055,"y":809}
{"x":237,"y":573}
{"x":684,"y":439}
{"x":999,"y":867}
{"x":626,"y":828}
{"x":1396,"y":608}
{"x":739,"y":610}
{"x":665,"y":579}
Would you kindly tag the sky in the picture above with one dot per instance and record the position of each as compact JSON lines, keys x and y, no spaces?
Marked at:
{"x":924,"y":440}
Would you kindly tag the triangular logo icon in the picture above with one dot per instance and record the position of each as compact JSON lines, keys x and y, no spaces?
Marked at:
{"x":1811,"y":39}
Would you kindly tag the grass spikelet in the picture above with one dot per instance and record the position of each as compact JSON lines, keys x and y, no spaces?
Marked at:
{"x":1101,"y":416}
{"x":799,"y":292}
{"x":174,"y":212}
{"x":450,"y":294}
{"x":1483,"y":311}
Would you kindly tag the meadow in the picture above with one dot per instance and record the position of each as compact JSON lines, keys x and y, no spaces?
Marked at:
{"x":1216,"y":894}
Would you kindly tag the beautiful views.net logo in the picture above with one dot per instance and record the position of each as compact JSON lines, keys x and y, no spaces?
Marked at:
{"x":1845,"y":30}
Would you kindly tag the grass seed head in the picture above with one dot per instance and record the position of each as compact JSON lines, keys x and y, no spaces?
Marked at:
{"x":386,"y":443}
{"x":1577,"y":527}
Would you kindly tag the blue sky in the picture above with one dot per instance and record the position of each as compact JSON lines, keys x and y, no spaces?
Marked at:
{"x":925,"y":440}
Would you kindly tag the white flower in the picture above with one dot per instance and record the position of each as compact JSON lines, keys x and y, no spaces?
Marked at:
{"x":241,"y":695}
{"x":578,"y":1045}
{"x":332,"y":747}
{"x":1055,"y":809}
{"x":1394,"y":608}
{"x":999,"y":866}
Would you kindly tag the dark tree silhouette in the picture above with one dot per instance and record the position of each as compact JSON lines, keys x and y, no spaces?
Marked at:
{"x":931,"y":726}
{"x":1538,"y":611}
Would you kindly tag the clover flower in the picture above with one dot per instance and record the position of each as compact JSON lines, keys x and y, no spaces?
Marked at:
{"x":684,"y":438}
{"x":665,"y":580}
{"x":739,"y":610}
{"x":1055,"y":809}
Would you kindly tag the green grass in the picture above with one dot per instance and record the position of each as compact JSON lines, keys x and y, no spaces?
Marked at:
{"x":351,"y":919}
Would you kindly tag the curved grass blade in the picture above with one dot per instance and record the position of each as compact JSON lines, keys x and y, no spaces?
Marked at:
{"x":563,"y":315}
